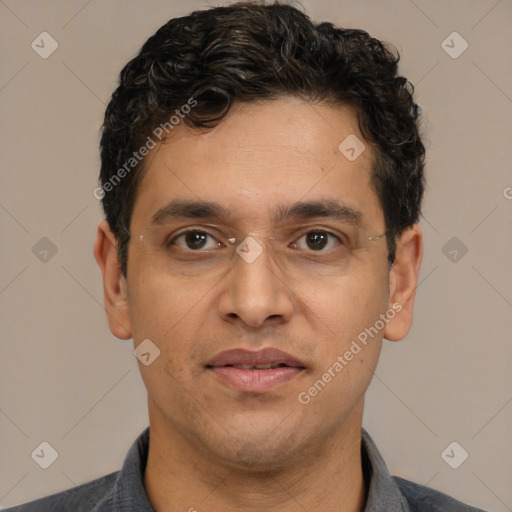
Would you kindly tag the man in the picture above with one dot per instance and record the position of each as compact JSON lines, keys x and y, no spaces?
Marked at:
{"x":262,"y":180}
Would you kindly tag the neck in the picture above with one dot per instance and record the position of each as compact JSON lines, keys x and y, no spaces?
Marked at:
{"x":180,"y":478}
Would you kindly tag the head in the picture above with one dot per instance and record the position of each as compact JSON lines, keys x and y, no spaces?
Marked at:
{"x":246,"y":106}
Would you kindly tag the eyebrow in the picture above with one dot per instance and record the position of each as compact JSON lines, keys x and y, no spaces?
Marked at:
{"x":181,"y":209}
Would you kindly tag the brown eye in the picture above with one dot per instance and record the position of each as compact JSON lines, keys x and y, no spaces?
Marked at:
{"x":194,"y":240}
{"x":317,"y":240}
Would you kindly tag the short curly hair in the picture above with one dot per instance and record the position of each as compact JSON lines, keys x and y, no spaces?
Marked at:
{"x":247,"y":52}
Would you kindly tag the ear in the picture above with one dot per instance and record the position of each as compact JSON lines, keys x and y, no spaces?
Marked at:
{"x":115,"y":291}
{"x":403,"y":281}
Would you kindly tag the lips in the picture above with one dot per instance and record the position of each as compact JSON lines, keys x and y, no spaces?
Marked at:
{"x":255,"y":372}
{"x":264,"y":358}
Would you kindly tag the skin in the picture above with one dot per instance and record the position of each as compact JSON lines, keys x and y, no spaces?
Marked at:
{"x":213,"y":447}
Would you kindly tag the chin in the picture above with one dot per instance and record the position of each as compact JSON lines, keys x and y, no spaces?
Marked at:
{"x":251,"y":459}
{"x":259,"y":452}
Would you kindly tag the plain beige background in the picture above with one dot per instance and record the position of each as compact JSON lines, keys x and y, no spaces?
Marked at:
{"x":67,"y":381}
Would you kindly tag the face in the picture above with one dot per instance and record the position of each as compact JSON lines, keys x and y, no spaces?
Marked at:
{"x":316,"y":282}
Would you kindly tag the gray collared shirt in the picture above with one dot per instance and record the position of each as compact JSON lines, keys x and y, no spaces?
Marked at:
{"x":124,"y":491}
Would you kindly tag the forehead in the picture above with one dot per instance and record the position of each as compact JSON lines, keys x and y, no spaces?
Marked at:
{"x":263,"y":156}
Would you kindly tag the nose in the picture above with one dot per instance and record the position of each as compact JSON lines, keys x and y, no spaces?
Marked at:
{"x":254,"y":291}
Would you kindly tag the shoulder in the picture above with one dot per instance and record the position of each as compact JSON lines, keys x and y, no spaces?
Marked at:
{"x":423,"y":499}
{"x":83,"y":498}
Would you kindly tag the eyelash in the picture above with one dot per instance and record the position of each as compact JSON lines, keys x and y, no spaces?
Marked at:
{"x":315,"y":230}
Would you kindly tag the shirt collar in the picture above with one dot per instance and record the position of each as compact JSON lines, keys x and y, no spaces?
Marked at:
{"x":383,"y":492}
{"x":128,"y":493}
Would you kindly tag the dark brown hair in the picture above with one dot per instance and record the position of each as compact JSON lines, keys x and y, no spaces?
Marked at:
{"x":248,"y":52}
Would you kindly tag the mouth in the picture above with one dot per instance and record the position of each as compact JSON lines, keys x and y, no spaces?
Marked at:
{"x":255,"y":372}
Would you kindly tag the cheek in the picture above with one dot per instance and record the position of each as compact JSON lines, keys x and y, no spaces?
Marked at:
{"x":162,"y":306}
{"x":349,"y":346}
{"x":173,"y":322}
{"x":177,"y":315}
{"x":353,"y":307}
{"x":342,"y":308}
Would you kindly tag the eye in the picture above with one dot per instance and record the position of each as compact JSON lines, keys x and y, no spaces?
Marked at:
{"x":194,"y":240}
{"x":317,"y":240}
